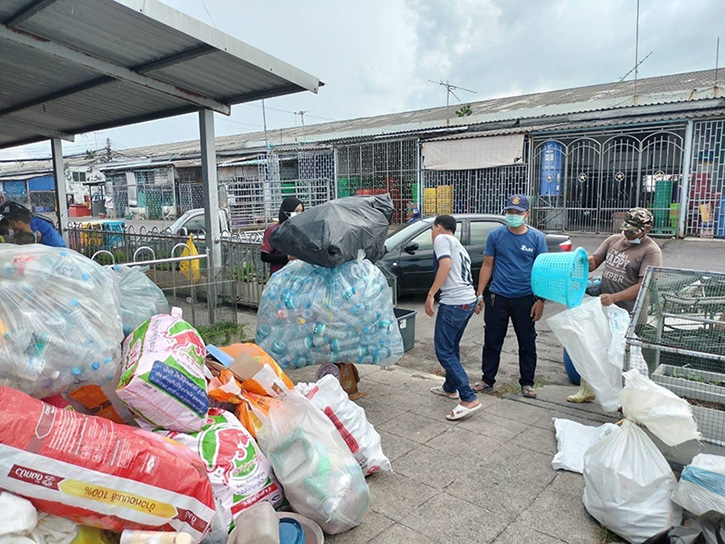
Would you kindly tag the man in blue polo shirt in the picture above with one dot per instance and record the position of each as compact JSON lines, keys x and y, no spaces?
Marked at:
{"x":509,"y":258}
{"x":21,"y":219}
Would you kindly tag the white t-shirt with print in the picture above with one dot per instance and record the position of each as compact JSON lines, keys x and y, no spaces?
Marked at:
{"x":458,"y":287}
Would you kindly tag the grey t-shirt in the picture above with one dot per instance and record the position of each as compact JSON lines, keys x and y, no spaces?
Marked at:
{"x":625,"y":263}
{"x":458,"y":287}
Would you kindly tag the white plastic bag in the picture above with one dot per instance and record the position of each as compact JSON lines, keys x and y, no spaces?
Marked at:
{"x":573,"y":440}
{"x":320,"y":477}
{"x":594,"y":337}
{"x":17,"y":515}
{"x":350,"y":421}
{"x":659,"y":409}
{"x":627,"y":485}
{"x":627,"y":481}
{"x":702,"y":485}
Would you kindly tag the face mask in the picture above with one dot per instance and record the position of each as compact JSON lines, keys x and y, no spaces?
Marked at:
{"x":292,"y":214}
{"x":635,"y":241}
{"x":514,"y":220}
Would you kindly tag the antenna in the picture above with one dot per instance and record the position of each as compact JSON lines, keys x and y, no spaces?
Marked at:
{"x":449,"y":90}
{"x":636,"y":55}
{"x":717,"y":64}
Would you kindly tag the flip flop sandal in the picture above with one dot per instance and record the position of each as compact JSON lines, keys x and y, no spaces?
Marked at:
{"x":438,"y":390}
{"x":461,"y":412}
{"x":528,"y":392}
{"x":482,"y":387}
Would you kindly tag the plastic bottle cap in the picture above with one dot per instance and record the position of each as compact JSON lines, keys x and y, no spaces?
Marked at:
{"x":75,"y":371}
{"x":96,"y":366}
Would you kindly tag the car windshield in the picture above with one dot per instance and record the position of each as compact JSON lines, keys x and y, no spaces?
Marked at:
{"x":401,"y":234}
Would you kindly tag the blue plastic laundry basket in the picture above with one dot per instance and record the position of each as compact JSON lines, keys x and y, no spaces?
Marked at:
{"x":561,"y":277}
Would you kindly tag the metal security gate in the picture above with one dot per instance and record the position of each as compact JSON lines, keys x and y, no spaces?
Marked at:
{"x":706,"y":207}
{"x":379,"y":168}
{"x":587,"y":183}
{"x":472,"y":191}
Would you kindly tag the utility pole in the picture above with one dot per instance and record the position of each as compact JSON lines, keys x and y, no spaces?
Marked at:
{"x":108,"y":150}
{"x":301,"y":113}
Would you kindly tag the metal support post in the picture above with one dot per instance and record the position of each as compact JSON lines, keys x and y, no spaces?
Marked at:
{"x":61,"y":203}
{"x":685,"y":187}
{"x":211,"y":202}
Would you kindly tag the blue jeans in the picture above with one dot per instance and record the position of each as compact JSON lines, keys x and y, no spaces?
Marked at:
{"x":450,"y":324}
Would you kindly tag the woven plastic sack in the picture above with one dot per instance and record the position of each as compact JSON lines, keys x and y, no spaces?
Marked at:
{"x":594,"y":337}
{"x":702,"y":485}
{"x":239,"y":472}
{"x":332,"y":233}
{"x":350,"y":421}
{"x":627,"y":481}
{"x":141,"y":298}
{"x":313,"y":315}
{"x":321,"y":478}
{"x":60,"y":320}
{"x":96,"y":472}
{"x":163,"y":381}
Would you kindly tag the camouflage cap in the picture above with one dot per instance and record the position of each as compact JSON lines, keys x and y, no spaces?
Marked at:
{"x":637,"y":220}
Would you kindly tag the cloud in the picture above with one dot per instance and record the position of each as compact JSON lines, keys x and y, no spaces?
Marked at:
{"x":377,"y":56}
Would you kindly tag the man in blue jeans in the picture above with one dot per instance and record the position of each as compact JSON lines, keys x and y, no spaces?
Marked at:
{"x":509,"y":258}
{"x":457,"y":304}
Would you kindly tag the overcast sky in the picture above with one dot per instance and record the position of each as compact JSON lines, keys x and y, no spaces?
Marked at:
{"x":376,"y":56}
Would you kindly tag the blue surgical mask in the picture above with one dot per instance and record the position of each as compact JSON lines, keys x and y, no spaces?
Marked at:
{"x":514,"y":220}
{"x":635,"y":241}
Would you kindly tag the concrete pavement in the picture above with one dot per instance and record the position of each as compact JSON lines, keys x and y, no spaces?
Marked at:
{"x":487,"y":479}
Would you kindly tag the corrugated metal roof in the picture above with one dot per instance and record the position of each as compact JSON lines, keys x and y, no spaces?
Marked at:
{"x":684,"y":92}
{"x":73,"y":66}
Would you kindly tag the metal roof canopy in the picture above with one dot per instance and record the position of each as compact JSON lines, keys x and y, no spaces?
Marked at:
{"x":74,"y":66}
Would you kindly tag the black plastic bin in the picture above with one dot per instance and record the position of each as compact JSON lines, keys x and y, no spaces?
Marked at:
{"x":406,"y":324}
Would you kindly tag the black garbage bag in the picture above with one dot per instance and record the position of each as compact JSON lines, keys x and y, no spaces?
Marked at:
{"x":332,"y":234}
{"x":709,"y":528}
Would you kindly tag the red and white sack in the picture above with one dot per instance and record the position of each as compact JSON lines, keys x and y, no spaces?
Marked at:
{"x":99,"y":473}
{"x":350,"y":421}
{"x":240,"y":474}
{"x":163,"y":381}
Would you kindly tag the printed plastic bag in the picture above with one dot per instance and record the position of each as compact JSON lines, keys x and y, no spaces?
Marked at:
{"x":163,"y":379}
{"x":60,"y":320}
{"x":95,"y":472}
{"x":321,"y":478}
{"x":312,"y":315}
{"x":573,"y":440}
{"x":627,"y":485}
{"x":702,"y":485}
{"x":627,"y":481}
{"x":239,"y":472}
{"x":350,"y":421}
{"x":332,"y":233}
{"x":140,"y":297}
{"x":594,"y":337}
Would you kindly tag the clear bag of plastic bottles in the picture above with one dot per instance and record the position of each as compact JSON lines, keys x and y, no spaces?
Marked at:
{"x":60,"y":320}
{"x":140,"y":297}
{"x":311,"y":315}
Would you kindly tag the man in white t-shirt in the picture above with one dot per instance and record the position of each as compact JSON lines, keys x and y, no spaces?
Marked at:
{"x":456,"y":306}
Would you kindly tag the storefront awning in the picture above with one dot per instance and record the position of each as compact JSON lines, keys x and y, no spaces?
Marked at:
{"x":473,"y":153}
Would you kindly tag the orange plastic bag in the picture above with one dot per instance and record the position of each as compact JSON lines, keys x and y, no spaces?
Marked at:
{"x":264,"y":359}
{"x":246,"y":415}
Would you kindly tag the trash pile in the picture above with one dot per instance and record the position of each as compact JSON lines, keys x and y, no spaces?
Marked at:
{"x":629,"y":486}
{"x":115,"y":419}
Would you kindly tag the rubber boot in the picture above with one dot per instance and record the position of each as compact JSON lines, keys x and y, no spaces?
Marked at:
{"x":585,"y":394}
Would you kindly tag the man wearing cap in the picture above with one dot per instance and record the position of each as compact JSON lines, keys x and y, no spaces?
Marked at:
{"x":626,"y":257}
{"x":508,"y":259}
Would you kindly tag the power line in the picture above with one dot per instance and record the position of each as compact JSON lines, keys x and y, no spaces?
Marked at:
{"x":209,"y":14}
